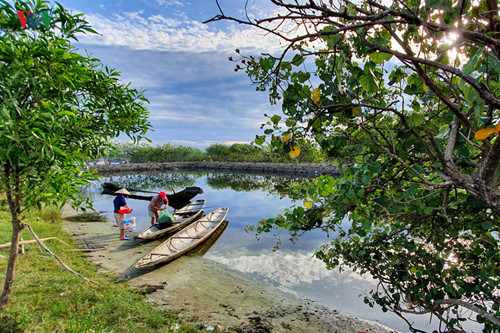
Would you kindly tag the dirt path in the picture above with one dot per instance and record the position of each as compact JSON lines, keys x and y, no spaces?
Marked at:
{"x":219,"y":296}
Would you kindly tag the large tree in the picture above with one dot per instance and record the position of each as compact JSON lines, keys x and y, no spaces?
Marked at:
{"x":59,"y":110}
{"x":405,"y":95}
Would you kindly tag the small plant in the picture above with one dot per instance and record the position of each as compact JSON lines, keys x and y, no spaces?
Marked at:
{"x":50,"y":214}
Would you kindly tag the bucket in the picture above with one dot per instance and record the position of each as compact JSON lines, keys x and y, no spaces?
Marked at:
{"x":129,"y":224}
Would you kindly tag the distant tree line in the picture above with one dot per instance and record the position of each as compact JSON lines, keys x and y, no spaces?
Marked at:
{"x":238,"y":152}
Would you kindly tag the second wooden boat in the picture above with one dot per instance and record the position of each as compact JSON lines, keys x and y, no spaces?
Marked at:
{"x":183,"y":217}
{"x":184,"y":240}
{"x":175,"y":200}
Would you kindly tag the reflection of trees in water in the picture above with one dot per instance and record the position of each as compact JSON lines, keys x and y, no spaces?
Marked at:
{"x":249,"y":182}
{"x":166,"y":181}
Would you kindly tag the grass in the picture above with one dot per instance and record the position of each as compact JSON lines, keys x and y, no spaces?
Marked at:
{"x":47,"y":298}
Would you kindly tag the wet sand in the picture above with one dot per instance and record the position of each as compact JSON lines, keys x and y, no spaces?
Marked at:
{"x":216,"y":295}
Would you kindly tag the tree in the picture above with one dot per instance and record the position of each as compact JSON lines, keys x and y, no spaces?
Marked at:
{"x":405,"y":95}
{"x":59,"y":109}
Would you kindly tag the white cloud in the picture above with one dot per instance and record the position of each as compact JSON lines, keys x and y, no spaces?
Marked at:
{"x":185,"y":142}
{"x":168,"y":3}
{"x":235,"y":142}
{"x":169,"y":22}
{"x":156,"y":32}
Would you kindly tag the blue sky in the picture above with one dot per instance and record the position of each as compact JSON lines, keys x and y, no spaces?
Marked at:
{"x":162,"y":46}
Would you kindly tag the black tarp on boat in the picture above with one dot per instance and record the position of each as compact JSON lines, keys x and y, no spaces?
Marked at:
{"x":175,"y":200}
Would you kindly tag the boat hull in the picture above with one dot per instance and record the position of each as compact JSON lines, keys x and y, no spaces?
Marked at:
{"x":184,"y":216}
{"x":185,"y":240}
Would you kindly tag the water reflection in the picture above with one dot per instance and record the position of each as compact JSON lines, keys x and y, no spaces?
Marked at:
{"x":246,"y":183}
{"x":250,"y":199}
{"x":167,"y":181}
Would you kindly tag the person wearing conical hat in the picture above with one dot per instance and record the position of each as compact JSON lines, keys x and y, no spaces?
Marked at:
{"x":120,"y":203}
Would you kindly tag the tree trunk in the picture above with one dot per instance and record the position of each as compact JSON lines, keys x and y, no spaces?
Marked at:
{"x":14,"y":200}
{"x":11,"y":265}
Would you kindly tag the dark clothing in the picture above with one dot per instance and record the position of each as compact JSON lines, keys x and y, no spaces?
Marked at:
{"x":119,"y":202}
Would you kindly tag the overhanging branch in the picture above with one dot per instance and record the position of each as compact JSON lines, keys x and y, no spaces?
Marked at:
{"x":488,"y":316}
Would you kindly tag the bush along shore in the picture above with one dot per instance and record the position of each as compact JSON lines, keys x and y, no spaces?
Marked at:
{"x":305,"y":169}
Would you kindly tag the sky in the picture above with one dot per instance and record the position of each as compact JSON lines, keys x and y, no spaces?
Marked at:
{"x":162,"y":46}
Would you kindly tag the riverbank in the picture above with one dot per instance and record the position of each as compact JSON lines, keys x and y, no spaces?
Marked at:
{"x":259,"y":168}
{"x":216,"y":295}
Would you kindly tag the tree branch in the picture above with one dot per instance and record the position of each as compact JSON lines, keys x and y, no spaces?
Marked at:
{"x":42,"y":245}
{"x":488,"y":316}
{"x":491,"y":164}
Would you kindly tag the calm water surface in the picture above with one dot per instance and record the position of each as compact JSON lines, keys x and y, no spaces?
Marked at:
{"x":251,"y":198}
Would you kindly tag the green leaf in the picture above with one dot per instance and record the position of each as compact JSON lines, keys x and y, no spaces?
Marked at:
{"x":275,"y":119}
{"x":300,"y":77}
{"x":487,"y":225}
{"x":267,"y":63}
{"x":260,"y":139}
{"x":67,"y":113}
{"x":331,"y":39}
{"x":416,"y":119}
{"x":367,"y":224}
{"x":361,"y":232}
{"x":472,"y":64}
{"x":379,"y":57}
{"x":368,"y":83}
{"x":494,"y":63}
{"x":298,"y":59}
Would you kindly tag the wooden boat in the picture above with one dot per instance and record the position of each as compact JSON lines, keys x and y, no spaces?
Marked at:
{"x":203,"y":248}
{"x":175,"y":200}
{"x":184,"y":240}
{"x":183,"y":217}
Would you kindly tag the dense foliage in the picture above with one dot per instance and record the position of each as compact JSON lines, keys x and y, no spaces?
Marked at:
{"x":59,"y":109}
{"x":143,"y":153}
{"x":405,"y":95}
{"x":237,"y":152}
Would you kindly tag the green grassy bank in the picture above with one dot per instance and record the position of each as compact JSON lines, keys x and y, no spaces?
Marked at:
{"x":47,"y":298}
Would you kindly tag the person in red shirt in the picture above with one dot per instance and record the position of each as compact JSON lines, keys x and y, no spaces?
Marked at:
{"x":156,"y":205}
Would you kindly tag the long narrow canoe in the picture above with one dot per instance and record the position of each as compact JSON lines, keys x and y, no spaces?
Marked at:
{"x":183,"y":217}
{"x":184,"y":240}
{"x":175,"y":200}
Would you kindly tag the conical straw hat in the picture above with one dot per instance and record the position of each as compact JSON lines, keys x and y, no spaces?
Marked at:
{"x":123,"y":191}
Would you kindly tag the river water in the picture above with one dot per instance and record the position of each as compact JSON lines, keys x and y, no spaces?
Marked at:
{"x":251,"y":198}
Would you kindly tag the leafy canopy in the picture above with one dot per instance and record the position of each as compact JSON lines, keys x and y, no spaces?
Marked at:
{"x":395,"y":92}
{"x":59,"y":110}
